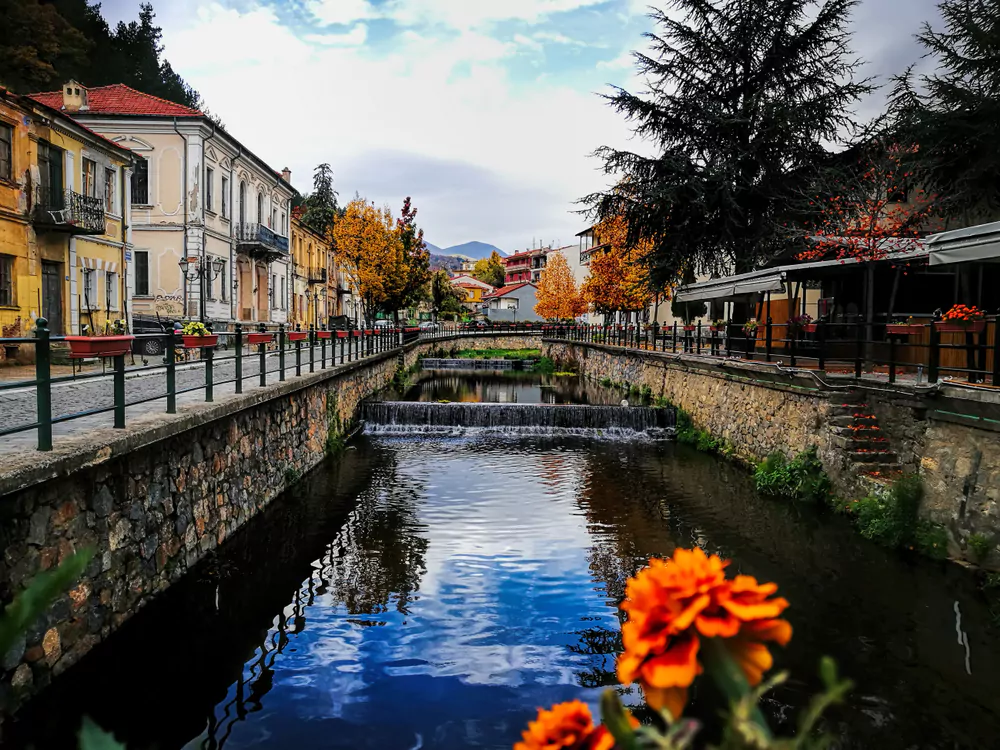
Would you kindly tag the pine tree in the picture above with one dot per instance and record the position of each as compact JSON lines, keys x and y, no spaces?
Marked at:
{"x":952,"y":115}
{"x":37,"y":45}
{"x":320,"y":206}
{"x":743,"y":95}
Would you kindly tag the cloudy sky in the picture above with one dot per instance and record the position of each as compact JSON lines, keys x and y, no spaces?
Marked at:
{"x":484,"y":111}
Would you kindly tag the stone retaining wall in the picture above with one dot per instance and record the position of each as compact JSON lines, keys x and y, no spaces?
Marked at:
{"x":154,"y":498}
{"x":949,"y":435}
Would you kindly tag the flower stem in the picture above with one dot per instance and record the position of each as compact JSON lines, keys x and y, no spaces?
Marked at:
{"x":730,"y":679}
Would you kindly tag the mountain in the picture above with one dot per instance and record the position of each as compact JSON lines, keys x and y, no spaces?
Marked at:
{"x":475,"y":250}
{"x":444,"y":263}
{"x":434,"y":249}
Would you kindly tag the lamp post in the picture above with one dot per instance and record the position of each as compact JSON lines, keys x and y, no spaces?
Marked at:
{"x":193,"y":268}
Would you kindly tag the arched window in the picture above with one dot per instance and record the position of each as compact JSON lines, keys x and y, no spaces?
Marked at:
{"x":243,"y":202}
{"x":260,"y":208}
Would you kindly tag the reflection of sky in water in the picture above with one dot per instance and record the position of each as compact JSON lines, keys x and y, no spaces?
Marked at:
{"x":484,"y":639}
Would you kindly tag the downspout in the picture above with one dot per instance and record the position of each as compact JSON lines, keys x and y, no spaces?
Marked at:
{"x":124,"y":274}
{"x":234,"y":303}
{"x":184,"y":283}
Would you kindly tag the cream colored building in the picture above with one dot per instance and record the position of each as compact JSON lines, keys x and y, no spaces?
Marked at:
{"x":197,"y":195}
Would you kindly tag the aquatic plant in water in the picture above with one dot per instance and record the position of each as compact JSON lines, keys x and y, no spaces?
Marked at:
{"x":687,"y":619}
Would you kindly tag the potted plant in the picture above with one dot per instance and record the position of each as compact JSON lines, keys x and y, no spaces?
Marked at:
{"x":255,"y":338}
{"x":904,"y":327}
{"x":962,"y":319}
{"x":298,"y":335}
{"x":196,"y":335}
{"x":343,"y":334}
{"x":112,"y":342}
{"x":719,"y":325}
{"x":801,"y":323}
{"x":750,"y":328}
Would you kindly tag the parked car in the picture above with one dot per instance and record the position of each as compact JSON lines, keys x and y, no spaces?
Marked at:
{"x":472,"y":325}
{"x":383,"y":324}
{"x":341,"y":323}
{"x":143,"y":326}
{"x":430,"y":325}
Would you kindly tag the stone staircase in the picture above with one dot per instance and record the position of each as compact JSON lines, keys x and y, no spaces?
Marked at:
{"x":857,"y":432}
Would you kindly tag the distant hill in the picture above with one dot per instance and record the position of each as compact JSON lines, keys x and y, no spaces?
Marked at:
{"x":434,"y":249}
{"x":444,"y":263}
{"x":475,"y":250}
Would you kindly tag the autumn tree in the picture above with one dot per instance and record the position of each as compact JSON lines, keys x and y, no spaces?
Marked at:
{"x":369,"y":248}
{"x":619,"y":282}
{"x":490,"y":270}
{"x":743,"y":98}
{"x":557,"y":295}
{"x":414,"y":271}
{"x":871,"y":209}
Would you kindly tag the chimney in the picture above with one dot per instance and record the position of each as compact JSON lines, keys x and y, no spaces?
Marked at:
{"x":286,"y":175}
{"x":74,"y":97}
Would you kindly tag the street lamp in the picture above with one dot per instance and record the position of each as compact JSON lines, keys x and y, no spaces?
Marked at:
{"x":193,"y":268}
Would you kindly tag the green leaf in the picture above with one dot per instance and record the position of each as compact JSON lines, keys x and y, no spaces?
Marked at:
{"x":729,"y":678}
{"x":43,"y":589}
{"x":615,"y":718}
{"x":92,"y":737}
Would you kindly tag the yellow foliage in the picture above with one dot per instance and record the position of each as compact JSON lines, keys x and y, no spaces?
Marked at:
{"x":490,"y":270}
{"x":557,"y":295}
{"x":370,"y":251}
{"x":619,"y":280}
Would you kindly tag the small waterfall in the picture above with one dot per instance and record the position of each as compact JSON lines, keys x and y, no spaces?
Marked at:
{"x":407,"y":417}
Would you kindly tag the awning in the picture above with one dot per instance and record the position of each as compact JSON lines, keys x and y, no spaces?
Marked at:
{"x":773,"y":279}
{"x":96,"y":264}
{"x":979,"y":243}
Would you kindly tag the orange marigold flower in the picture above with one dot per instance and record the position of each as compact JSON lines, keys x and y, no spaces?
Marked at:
{"x":673,"y":604}
{"x":565,"y":726}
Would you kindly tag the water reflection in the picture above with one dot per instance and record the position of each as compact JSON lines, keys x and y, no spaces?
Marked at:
{"x":433,"y":592}
{"x":505,"y":388}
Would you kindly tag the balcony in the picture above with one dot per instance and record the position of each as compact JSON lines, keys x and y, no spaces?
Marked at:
{"x":317,"y":276}
{"x":259,"y":241}
{"x":59,"y":210}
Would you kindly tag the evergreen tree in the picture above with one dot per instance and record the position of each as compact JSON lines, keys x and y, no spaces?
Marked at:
{"x":742,"y":96}
{"x":951,"y":117}
{"x":36,"y":45}
{"x":320,"y":206}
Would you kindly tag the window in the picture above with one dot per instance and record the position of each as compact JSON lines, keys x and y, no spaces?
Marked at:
{"x":6,"y":280}
{"x":6,"y":152}
{"x":209,"y":278}
{"x":50,"y":175}
{"x":90,"y":288}
{"x":140,"y":182}
{"x":243,"y":202}
{"x":260,"y":208}
{"x":111,"y":290}
{"x":141,"y":273}
{"x":209,"y":189}
{"x":222,"y":282}
{"x":284,"y":226}
{"x":109,"y":190}
{"x":284,"y":280}
{"x":271,"y":292}
{"x":225,"y":197}
{"x":274,"y":219}
{"x":89,"y":178}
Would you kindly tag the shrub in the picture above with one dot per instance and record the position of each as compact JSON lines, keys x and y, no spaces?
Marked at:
{"x":979,"y":546}
{"x":890,"y":518}
{"x":802,"y":478}
{"x":931,"y":539}
{"x":606,"y":382}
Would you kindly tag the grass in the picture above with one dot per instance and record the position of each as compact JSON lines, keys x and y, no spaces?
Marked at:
{"x":979,"y":546}
{"x":498,"y":354}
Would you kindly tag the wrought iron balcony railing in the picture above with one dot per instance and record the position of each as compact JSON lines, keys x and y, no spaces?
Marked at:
{"x":317,"y":276}
{"x":68,"y":211}
{"x":259,"y":238}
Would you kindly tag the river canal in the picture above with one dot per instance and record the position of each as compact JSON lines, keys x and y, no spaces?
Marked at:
{"x":425,"y":592}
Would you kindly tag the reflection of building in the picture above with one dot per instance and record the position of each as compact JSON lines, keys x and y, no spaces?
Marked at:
{"x":196,"y":193}
{"x":64,"y":219}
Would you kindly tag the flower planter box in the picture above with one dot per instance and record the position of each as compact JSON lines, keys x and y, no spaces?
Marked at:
{"x":809,"y":328}
{"x":904,"y":329}
{"x":200,"y":342}
{"x":343,"y":334}
{"x":947,"y":326}
{"x":323,"y":334}
{"x":98,"y":346}
{"x":690,"y":329}
{"x":718,"y":329}
{"x":298,"y":335}
{"x":368,"y":332}
{"x":255,"y":339}
{"x":356,"y":334}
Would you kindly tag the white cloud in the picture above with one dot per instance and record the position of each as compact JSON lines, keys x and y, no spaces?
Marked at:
{"x":342,"y":11}
{"x":357,"y":36}
{"x":457,"y":14}
{"x":624,"y":61}
{"x":556,"y":38}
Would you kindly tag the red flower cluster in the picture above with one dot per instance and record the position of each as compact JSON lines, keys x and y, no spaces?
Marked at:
{"x":964,"y":314}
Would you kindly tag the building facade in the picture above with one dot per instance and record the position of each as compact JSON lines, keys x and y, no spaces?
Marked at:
{"x":315,"y":298}
{"x":472,"y":289}
{"x":64,"y":222}
{"x":210,"y":220}
{"x":511,"y":303}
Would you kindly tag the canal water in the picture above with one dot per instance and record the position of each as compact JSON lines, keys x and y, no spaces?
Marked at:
{"x":505,"y":388}
{"x":426,"y":592}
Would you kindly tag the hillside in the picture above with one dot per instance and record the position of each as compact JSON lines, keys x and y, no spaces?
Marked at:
{"x":474,"y":249}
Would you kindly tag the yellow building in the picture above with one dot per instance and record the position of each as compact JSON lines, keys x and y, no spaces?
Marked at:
{"x":472,"y":290}
{"x":314,"y":278}
{"x":63,"y":221}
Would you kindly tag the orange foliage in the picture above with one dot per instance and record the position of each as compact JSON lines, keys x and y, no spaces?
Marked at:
{"x":866,"y":221}
{"x":370,"y":250}
{"x":619,"y":281}
{"x":557,"y":295}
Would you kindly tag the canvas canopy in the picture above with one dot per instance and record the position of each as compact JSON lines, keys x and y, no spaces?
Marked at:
{"x":971,"y":244}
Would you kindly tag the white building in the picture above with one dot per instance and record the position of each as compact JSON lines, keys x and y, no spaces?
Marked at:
{"x":197,"y":195}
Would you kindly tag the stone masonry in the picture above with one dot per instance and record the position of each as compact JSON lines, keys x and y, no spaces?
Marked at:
{"x":154,"y":498}
{"x":949,"y":435}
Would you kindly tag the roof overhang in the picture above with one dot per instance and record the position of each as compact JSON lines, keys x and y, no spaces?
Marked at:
{"x":980,"y":243}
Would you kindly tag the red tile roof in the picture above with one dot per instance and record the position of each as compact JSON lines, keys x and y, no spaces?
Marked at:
{"x":35,"y":102}
{"x":119,"y":99}
{"x":505,"y":290}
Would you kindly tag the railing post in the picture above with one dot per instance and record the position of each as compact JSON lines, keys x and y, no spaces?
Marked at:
{"x":729,"y":338}
{"x":281,"y":351}
{"x":312,"y":348}
{"x":934,"y":356}
{"x":262,"y":352}
{"x":171,"y":371}
{"x":996,"y":351}
{"x":821,"y":345}
{"x":239,"y":358}
{"x":768,"y":338}
{"x":859,"y":351}
{"x":793,"y":337}
{"x":322,"y":351}
{"x":43,"y":384}
{"x":298,"y":352}
{"x":208,"y":353}
{"x":674,"y":338}
{"x":892,"y":357}
{"x":119,"y":389}
{"x":697,"y":341}
{"x":350,"y":343}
